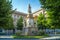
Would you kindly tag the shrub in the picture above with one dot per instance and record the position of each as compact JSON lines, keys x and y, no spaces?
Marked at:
{"x":41,"y":32}
{"x":18,"y":33}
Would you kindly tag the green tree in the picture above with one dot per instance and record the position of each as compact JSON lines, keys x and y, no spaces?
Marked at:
{"x":53,"y":10}
{"x":20,"y":23}
{"x":5,"y":13}
{"x":41,"y":21}
{"x":10,"y":23}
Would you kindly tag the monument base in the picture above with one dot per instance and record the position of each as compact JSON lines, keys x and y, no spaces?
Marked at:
{"x":30,"y":31}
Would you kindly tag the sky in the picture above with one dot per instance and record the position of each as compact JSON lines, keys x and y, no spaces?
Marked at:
{"x":22,"y":5}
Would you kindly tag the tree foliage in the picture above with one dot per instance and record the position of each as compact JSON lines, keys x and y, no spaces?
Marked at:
{"x":20,"y":23}
{"x":53,"y":10}
{"x":41,"y":21}
{"x":10,"y":23}
{"x":5,"y":13}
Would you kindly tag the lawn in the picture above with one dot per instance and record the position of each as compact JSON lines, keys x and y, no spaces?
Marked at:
{"x":29,"y":36}
{"x":22,"y":36}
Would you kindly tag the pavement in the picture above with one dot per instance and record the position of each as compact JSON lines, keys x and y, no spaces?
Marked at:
{"x":47,"y":38}
{"x":54,"y":37}
{"x":6,"y":36}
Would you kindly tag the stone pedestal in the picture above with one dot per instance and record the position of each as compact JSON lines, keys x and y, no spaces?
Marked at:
{"x":30,"y":31}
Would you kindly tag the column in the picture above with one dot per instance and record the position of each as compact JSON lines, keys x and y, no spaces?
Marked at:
{"x":36,"y":23}
{"x":23,"y":23}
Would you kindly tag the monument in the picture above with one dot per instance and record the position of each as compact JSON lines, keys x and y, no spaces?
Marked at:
{"x":30,"y":28}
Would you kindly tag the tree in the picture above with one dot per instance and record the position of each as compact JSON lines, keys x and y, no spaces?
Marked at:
{"x":20,"y":23}
{"x":5,"y":14}
{"x":10,"y":23}
{"x":53,"y":10}
{"x":41,"y":21}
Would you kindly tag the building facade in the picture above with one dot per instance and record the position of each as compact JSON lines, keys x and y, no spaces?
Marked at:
{"x":29,"y":20}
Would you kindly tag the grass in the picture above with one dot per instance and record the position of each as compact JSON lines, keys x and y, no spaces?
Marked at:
{"x":20,"y":36}
{"x":29,"y":36}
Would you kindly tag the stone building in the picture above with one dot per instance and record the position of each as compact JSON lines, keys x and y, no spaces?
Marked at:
{"x":29,"y":20}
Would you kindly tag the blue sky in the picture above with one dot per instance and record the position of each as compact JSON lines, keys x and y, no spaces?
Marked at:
{"x":22,"y":5}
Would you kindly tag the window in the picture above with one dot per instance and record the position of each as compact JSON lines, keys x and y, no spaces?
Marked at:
{"x":29,"y":23}
{"x":18,"y":16}
{"x":34,"y":22}
{"x":14,"y":16}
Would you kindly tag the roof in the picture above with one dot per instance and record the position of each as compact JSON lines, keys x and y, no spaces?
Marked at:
{"x":25,"y":14}
{"x":20,"y":13}
{"x":37,"y":11}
